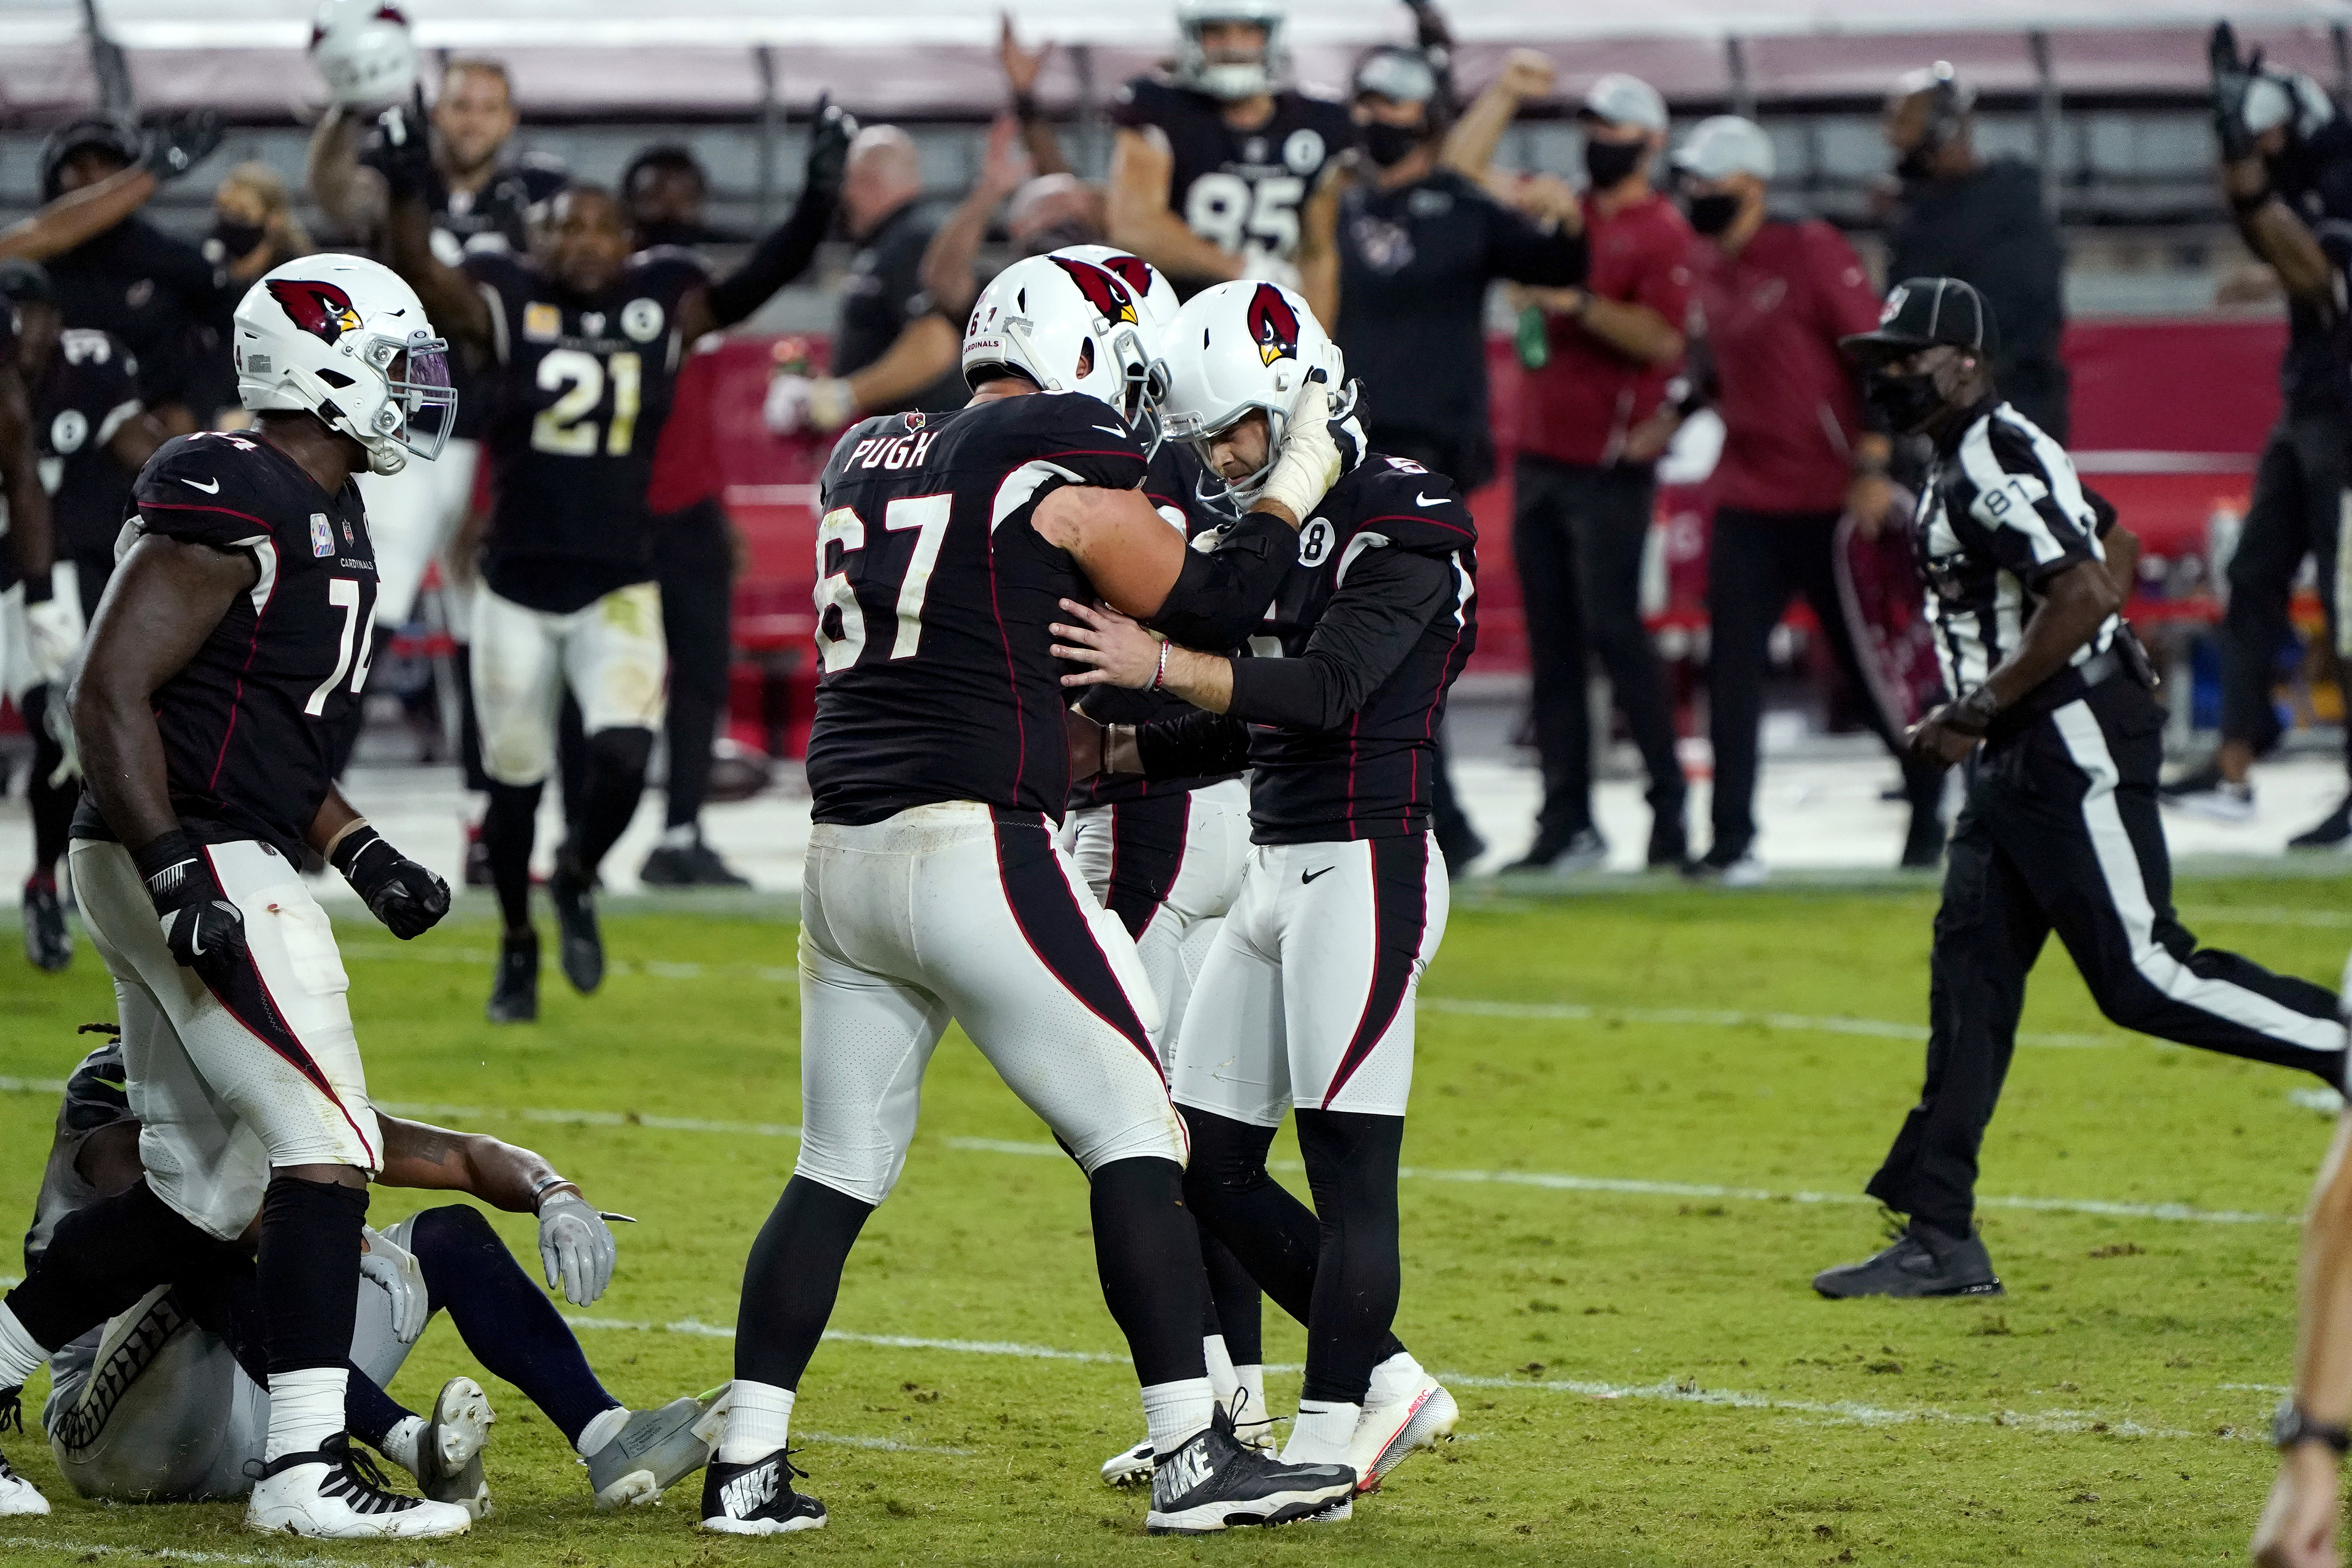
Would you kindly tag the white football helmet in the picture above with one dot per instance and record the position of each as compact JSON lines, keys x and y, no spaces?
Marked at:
{"x":346,"y":339}
{"x":364,"y":49}
{"x":1048,"y":315}
{"x":1244,"y":346}
{"x":1228,"y":78}
{"x":1155,"y":297}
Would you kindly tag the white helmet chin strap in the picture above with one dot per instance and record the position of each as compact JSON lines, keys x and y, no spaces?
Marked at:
{"x":1016,"y":333}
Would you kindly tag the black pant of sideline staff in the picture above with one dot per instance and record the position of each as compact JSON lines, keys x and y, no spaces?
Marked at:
{"x":2061,"y":833}
{"x":1755,"y":562}
{"x":2297,"y":510}
{"x":1578,"y":534}
{"x":697,"y":571}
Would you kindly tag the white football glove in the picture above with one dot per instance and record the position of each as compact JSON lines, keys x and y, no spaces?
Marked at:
{"x":394,"y":1269}
{"x":1265,"y":266}
{"x":1308,"y":462}
{"x":576,"y":1246}
{"x":818,"y":404}
{"x":58,"y":719}
{"x":53,"y":631}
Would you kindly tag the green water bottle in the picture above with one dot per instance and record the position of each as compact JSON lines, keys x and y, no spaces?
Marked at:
{"x":1533,"y":342}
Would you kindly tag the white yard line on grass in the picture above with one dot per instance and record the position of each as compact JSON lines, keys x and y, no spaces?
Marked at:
{"x":89,"y":1549}
{"x":1684,"y":1392}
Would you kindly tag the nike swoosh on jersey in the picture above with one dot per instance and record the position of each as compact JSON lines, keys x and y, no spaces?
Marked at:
{"x":1428,"y":500}
{"x":1112,"y":430}
{"x":211,"y":489}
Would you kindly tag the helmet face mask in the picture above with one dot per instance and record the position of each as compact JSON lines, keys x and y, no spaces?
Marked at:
{"x":345,"y":340}
{"x":1228,"y":78}
{"x":1240,"y":347}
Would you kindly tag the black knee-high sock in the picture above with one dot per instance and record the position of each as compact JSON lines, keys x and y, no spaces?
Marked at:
{"x":507,"y":828}
{"x":1147,"y":1252}
{"x":309,"y":1270}
{"x":791,"y":1278}
{"x":508,"y":1322}
{"x":1238,"y":1308}
{"x":1277,"y":1239}
{"x":102,"y":1259}
{"x":52,"y":805}
{"x":1352,"y":1167}
{"x":608,"y":795}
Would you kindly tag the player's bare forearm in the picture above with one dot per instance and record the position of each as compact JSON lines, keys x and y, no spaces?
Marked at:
{"x":77,"y":216}
{"x":135,"y":441}
{"x":2274,"y":233}
{"x":2073,"y":605}
{"x":1140,"y":220}
{"x":416,"y":1155}
{"x":335,"y":817}
{"x":1203,"y":679}
{"x":164,"y":599}
{"x":2322,"y":1371}
{"x":1319,"y":250}
{"x":923,"y":352}
{"x":457,"y":311}
{"x":2122,"y":546}
{"x":947,"y":270}
{"x":1635,"y":331}
{"x":1044,"y":148}
{"x":346,"y":191}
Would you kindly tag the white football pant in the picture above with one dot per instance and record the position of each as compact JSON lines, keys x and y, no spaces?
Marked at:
{"x":610,"y":653}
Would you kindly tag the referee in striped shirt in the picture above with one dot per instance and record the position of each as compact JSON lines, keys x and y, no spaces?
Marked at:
{"x":2056,"y":721}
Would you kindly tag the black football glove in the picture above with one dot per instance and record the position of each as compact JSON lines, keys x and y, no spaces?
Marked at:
{"x":408,"y":899}
{"x":205,"y":932}
{"x":2231,"y":78}
{"x":831,"y":131}
{"x":178,"y":142}
{"x":408,"y":138}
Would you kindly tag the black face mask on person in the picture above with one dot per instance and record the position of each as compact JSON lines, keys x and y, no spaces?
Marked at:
{"x":237,"y":240}
{"x":1608,"y":163}
{"x":1906,"y":403}
{"x":1388,"y":145}
{"x":1712,"y":214}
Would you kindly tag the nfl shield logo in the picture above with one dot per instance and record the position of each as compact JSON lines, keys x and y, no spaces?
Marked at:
{"x":323,"y":534}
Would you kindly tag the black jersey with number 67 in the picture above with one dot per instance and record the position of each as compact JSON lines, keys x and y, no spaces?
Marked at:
{"x":583,"y":388}
{"x":1239,"y":190}
{"x":256,"y":725}
{"x":934,"y":598}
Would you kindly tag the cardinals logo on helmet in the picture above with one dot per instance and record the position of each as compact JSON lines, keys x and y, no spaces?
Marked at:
{"x":1273,"y":324}
{"x":1133,"y":270}
{"x":321,"y":309}
{"x":1106,"y":293}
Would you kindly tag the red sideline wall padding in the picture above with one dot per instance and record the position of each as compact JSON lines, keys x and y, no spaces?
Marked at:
{"x":2199,"y":387}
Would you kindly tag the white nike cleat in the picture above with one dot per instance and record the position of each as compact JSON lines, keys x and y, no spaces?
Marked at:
{"x":1129,"y":1467}
{"x":333,"y":1493}
{"x":449,"y":1451}
{"x":18,"y":1497}
{"x":1405,"y":1409}
{"x":652,"y":1451}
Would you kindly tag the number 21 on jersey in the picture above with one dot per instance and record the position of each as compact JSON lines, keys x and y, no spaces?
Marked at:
{"x":567,"y":426}
{"x":836,"y":589}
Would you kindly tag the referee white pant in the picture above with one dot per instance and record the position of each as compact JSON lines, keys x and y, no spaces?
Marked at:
{"x":610,"y":653}
{"x":963,"y":912}
{"x":1307,"y":998}
{"x":412,"y":517}
{"x":259,"y":1068}
{"x":1169,"y":867}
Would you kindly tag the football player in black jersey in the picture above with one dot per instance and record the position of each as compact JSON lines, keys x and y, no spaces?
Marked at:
{"x":92,"y":433}
{"x":585,"y":342}
{"x":218,"y":698}
{"x":1306,"y":999}
{"x":1220,"y":171}
{"x":933,"y":890}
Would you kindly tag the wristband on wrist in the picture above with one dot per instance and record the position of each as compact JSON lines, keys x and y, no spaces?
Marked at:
{"x":1159,"y":675}
{"x":162,"y":856}
{"x":1024,"y":107}
{"x":342,"y":834}
{"x":1973,"y":714}
{"x":2291,"y":1427}
{"x":539,"y":1192}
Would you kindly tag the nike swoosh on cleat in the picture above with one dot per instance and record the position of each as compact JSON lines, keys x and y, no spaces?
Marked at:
{"x":211,"y":489}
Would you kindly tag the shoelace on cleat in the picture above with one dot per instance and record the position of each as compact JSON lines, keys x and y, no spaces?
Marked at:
{"x":355,"y":1480}
{"x":12,"y":1409}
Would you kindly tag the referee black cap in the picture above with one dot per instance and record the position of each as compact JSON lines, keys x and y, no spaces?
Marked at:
{"x":1921,"y":312}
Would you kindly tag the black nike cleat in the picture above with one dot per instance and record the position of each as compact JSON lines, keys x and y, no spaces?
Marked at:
{"x":573,"y":893}
{"x":1213,"y":1483}
{"x":514,"y":994}
{"x":49,"y":940}
{"x":1924,"y":1261}
{"x":758,"y":1499}
{"x":694,"y":865}
{"x":2332,"y":832}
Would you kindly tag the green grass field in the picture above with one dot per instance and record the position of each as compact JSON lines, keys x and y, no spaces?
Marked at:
{"x":1622,"y":1102}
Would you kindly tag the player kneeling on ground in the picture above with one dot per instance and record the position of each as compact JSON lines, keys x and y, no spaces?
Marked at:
{"x":934,"y":891}
{"x":210,"y":733}
{"x":166,"y":1404}
{"x":1306,"y":999}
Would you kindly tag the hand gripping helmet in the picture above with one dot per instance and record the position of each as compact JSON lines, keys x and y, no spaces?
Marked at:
{"x":345,"y":339}
{"x":1243,"y":346}
{"x":1069,"y":326}
{"x":1228,"y":80}
{"x":364,"y":49}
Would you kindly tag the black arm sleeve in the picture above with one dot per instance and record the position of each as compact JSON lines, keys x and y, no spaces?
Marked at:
{"x":1193,"y":745}
{"x":1370,"y":625}
{"x":1221,"y":595}
{"x":782,"y":254}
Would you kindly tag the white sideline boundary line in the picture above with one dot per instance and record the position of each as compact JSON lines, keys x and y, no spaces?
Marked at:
{"x":1552,"y":1181}
{"x":1841,"y":1411}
